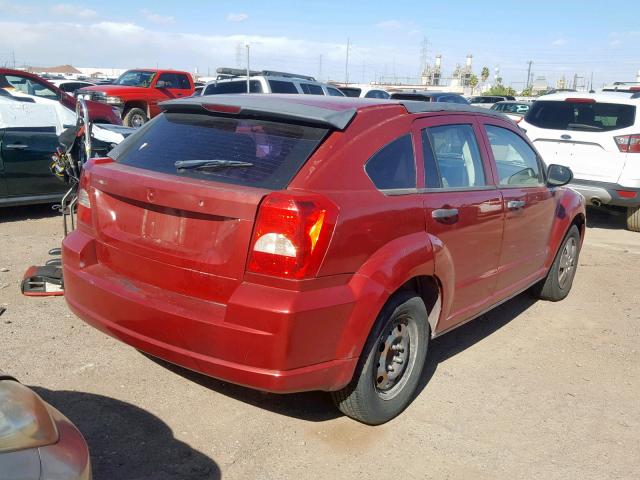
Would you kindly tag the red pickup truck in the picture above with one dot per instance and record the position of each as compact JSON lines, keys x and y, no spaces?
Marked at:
{"x":136,"y":93}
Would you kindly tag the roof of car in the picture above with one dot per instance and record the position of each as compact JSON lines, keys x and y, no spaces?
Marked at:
{"x":519,"y":102}
{"x":610,"y":97}
{"x":425,"y":93}
{"x":333,"y":112}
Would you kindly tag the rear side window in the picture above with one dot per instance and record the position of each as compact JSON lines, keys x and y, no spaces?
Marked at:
{"x":452,"y":157}
{"x":334,"y":92}
{"x":351,"y":91}
{"x":579,"y":116}
{"x":376,"y":94}
{"x":311,"y":89}
{"x":280,"y":86}
{"x":393,"y":167}
{"x":516,"y":161}
{"x":239,"y":86}
{"x":275,"y":151}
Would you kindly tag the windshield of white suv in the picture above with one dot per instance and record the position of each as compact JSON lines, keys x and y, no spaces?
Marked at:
{"x":135,"y":78}
{"x":581,"y":116}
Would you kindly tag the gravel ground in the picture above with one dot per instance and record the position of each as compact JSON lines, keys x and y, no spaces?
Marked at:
{"x":530,"y":390}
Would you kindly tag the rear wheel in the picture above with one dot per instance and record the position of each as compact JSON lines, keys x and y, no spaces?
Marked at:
{"x":391,"y":363}
{"x":557,"y":284}
{"x":633,"y":219}
{"x":135,"y":117}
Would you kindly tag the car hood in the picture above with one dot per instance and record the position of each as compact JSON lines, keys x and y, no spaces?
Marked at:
{"x":116,"y":90}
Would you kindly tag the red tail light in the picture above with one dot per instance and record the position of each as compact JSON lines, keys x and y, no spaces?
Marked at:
{"x":580,"y":100}
{"x":291,"y":235}
{"x":84,"y":201}
{"x":628,"y":143}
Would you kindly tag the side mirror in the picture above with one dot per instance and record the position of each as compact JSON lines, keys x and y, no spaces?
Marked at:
{"x":558,"y":175}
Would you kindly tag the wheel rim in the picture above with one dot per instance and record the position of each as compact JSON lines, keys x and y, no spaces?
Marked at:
{"x":567,"y":262}
{"x":395,"y":357}
{"x":137,"y":120}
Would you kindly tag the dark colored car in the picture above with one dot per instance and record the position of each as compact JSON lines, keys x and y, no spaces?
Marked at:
{"x":293,"y":243}
{"x":36,"y":440}
{"x":426,"y":96}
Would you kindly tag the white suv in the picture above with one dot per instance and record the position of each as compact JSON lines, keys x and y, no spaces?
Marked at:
{"x":596,"y":135}
{"x":234,"y":80}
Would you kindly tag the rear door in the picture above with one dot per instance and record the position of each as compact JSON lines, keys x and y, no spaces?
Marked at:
{"x":155,"y":222}
{"x":529,"y":205}
{"x":579,"y":133}
{"x":26,"y":156}
{"x":463,"y":210}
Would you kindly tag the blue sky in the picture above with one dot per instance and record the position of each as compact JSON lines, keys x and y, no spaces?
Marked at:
{"x":561,"y":38}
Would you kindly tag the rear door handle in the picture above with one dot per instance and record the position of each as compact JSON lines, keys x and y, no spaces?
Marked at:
{"x":515,"y":204}
{"x":16,"y":146}
{"x":445,"y":215}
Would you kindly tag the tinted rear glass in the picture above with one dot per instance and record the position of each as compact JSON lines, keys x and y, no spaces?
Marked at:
{"x":311,"y":89}
{"x":585,"y":117}
{"x":280,"y":86}
{"x":411,"y":96}
{"x":276,"y":150}
{"x":351,"y":91}
{"x":239,"y":86}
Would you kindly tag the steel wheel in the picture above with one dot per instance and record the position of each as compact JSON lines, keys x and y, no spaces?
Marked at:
{"x":137,"y":120}
{"x":395,"y":357}
{"x":567,"y":262}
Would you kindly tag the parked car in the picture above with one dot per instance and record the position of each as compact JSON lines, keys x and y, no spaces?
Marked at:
{"x":71,"y":86}
{"x":427,"y":96}
{"x":29,"y":135}
{"x":598,"y":136}
{"x":513,"y":109}
{"x":36,"y":440}
{"x":28,"y":84}
{"x":279,"y":241}
{"x":136,"y":93}
{"x":234,"y":80}
{"x":364,"y":92}
{"x":487,"y":101}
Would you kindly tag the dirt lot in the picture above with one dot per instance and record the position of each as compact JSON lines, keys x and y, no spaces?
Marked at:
{"x":531,"y":390}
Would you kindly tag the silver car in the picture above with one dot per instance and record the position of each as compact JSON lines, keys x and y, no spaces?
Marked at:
{"x":36,"y":440}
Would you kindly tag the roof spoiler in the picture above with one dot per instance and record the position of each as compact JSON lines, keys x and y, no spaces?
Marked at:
{"x":264,"y":108}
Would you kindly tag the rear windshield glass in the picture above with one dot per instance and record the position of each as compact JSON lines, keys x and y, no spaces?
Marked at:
{"x":273,"y":152}
{"x":239,"y":86}
{"x":585,"y":117}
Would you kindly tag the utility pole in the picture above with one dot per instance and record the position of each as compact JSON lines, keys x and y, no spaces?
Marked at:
{"x":248,"y":88}
{"x":320,"y":68}
{"x":239,"y":55}
{"x":13,"y":58}
{"x":363,"y":68}
{"x":346,"y":69}
{"x":591,"y":83}
{"x":530,"y":62}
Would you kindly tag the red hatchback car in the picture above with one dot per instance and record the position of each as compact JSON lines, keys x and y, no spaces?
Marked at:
{"x":293,"y":243}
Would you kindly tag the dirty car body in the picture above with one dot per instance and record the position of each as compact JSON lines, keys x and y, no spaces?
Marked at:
{"x":272,"y":263}
{"x":36,"y":440}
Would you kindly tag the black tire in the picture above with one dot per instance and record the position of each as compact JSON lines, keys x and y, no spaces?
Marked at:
{"x":633,"y":219}
{"x":557,"y":284}
{"x":135,"y":117}
{"x":374,"y":398}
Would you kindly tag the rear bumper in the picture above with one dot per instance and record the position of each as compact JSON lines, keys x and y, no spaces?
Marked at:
{"x":267,"y":338}
{"x":605,"y":193}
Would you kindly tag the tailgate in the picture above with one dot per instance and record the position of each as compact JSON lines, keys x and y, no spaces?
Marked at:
{"x":592,"y":157}
{"x":180,"y":234}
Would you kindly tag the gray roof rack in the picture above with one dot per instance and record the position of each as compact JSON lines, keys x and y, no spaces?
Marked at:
{"x":224,"y":72}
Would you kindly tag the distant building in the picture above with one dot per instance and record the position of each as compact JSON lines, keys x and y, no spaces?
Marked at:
{"x":64,"y":70}
{"x":539,"y":85}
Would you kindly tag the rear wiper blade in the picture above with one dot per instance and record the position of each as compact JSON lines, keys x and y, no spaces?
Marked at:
{"x":209,"y":164}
